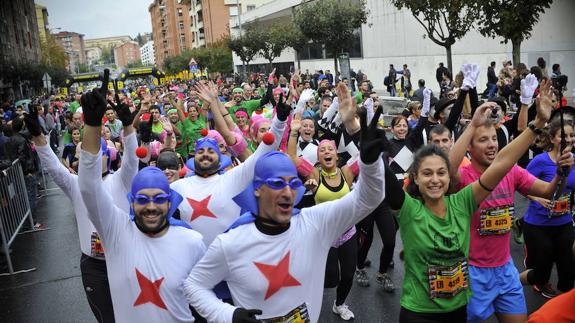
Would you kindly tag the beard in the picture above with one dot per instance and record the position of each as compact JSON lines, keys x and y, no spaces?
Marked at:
{"x":211,"y":169}
{"x":145,"y":228}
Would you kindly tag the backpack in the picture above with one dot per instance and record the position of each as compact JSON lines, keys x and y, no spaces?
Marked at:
{"x":386,"y":81}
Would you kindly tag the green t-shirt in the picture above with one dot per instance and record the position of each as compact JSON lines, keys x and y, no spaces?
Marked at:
{"x":359,"y":98}
{"x":250,"y":106}
{"x":67,"y":136}
{"x":192,"y":130}
{"x":182,"y":140}
{"x":431,"y":242}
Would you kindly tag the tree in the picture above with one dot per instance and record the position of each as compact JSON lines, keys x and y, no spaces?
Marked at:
{"x":247,"y":46}
{"x":511,"y":20}
{"x":107,"y":55}
{"x":53,"y":54}
{"x":296,"y":40}
{"x":332,"y":23}
{"x":135,"y":64}
{"x":444,"y":21}
{"x":274,"y":41}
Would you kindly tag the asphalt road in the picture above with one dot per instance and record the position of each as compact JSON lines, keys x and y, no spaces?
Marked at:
{"x":54,"y":293}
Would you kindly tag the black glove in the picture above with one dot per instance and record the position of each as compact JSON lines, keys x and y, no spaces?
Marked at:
{"x":94,"y":103}
{"x":283,"y":110}
{"x":241,"y":315}
{"x":123,"y":111}
{"x":32,"y":123}
{"x":146,"y":130}
{"x":370,"y":144}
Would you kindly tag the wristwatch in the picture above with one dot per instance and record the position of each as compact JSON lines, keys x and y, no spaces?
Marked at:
{"x":534,"y":128}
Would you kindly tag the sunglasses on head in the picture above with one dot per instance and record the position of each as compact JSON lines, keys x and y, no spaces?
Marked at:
{"x":158,"y":199}
{"x":277,"y":183}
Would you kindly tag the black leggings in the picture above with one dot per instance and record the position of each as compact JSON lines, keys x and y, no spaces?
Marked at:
{"x":97,"y":288}
{"x":387,"y":228}
{"x":547,"y":245}
{"x":340,"y":267}
{"x":407,"y":316}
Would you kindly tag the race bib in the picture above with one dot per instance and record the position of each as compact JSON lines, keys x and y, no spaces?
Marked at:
{"x":96,"y":246}
{"x":447,"y":281}
{"x":560,"y":206}
{"x":299,"y":314}
{"x":496,"y":220}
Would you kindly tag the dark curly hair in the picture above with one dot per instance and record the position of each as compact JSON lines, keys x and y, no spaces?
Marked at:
{"x":422,"y":153}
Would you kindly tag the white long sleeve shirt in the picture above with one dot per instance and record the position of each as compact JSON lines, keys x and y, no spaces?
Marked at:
{"x":145,"y":273}
{"x":208,"y":206}
{"x":117,"y":184}
{"x":277,"y":273}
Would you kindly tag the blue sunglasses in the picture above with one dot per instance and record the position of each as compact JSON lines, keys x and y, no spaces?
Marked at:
{"x":277,"y":183}
{"x":158,"y":199}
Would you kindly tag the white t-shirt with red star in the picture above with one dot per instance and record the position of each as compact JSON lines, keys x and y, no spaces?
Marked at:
{"x":117,"y":184}
{"x":208,"y":206}
{"x":277,"y":273}
{"x":145,"y":273}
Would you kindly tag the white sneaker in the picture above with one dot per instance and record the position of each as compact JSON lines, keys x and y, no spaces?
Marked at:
{"x":343,"y":312}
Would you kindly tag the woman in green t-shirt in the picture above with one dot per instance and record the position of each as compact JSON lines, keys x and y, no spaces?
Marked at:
{"x":435,"y":226}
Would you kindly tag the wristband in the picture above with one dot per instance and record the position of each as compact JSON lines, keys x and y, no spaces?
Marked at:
{"x":483,"y":186}
{"x":240,"y":146}
{"x":224,"y":115}
{"x":304,"y":168}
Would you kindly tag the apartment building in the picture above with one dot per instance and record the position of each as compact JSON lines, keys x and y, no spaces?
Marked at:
{"x":147,"y":53}
{"x":74,"y":47}
{"x":171,"y":31}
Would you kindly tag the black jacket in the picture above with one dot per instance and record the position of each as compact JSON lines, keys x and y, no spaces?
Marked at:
{"x":18,"y":147}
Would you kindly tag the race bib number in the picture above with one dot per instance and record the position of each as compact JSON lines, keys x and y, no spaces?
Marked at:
{"x":560,"y":206}
{"x":496,"y":220}
{"x":299,"y":314}
{"x":447,"y":281}
{"x":96,"y":246}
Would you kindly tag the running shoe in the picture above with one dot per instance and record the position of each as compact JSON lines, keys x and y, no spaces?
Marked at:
{"x":517,"y":230}
{"x":361,"y":277}
{"x":343,"y":312}
{"x":546,"y":290}
{"x":385,"y":281}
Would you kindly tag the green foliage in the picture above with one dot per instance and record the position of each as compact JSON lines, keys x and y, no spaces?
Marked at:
{"x":444,"y":21}
{"x":511,"y":20}
{"x":14,"y":72}
{"x":135,"y":64}
{"x":248,"y":45}
{"x":295,"y":37}
{"x":275,"y":39}
{"x":216,"y":59}
{"x":83,"y":68}
{"x":107,"y":55}
{"x":331,"y":22}
{"x":53,"y":53}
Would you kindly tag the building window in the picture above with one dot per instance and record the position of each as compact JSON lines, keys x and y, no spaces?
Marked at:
{"x":181,"y":24}
{"x":233,"y":11}
{"x":180,"y":12}
{"x":251,"y":7}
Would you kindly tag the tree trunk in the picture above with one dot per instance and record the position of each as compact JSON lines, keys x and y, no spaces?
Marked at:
{"x":298,"y":60}
{"x":516,"y":52}
{"x":271,"y":66}
{"x":335,"y":64}
{"x":449,"y":62}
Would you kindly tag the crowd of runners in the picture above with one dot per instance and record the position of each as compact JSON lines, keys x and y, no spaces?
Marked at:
{"x":221,"y":200}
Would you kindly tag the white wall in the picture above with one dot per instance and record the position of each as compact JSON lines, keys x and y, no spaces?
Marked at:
{"x":395,"y":37}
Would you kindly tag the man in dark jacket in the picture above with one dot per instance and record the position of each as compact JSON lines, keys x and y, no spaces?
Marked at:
{"x":439,"y":74}
{"x":491,"y":81}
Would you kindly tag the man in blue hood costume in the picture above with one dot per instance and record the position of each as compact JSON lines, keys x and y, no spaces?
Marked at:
{"x":147,"y":258}
{"x":270,"y":257}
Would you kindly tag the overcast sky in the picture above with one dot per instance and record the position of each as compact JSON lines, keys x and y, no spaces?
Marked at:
{"x":99,"y":18}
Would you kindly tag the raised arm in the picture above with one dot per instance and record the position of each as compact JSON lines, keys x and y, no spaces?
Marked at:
{"x":335,"y":217}
{"x":347,"y":109}
{"x":507,"y":157}
{"x":458,"y":151}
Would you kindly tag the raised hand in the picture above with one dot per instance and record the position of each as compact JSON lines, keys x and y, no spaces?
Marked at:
{"x":482,"y":114}
{"x":470,"y":74}
{"x":271,"y":77}
{"x":347,"y":106}
{"x":370,"y":144}
{"x":31,"y":121}
{"x":94,"y":103}
{"x":207,"y":92}
{"x":426,"y":102}
{"x":565,"y":162}
{"x":528,"y":87}
{"x":146,"y":130}
{"x":283,"y":109}
{"x":122,"y":109}
{"x":544,"y":101}
{"x":295,"y":124}
{"x":166,"y":124}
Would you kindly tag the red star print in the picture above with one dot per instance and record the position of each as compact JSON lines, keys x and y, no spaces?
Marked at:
{"x":201,"y":208}
{"x":149,"y":291}
{"x":278,"y":276}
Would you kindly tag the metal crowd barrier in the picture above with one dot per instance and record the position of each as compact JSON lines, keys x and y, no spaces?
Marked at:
{"x":14,"y":210}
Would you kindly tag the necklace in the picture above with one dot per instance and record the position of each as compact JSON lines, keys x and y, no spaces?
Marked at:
{"x":329,"y":175}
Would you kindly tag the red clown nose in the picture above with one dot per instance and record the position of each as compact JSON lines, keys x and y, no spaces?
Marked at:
{"x":141,"y":152}
{"x":268,"y":138}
